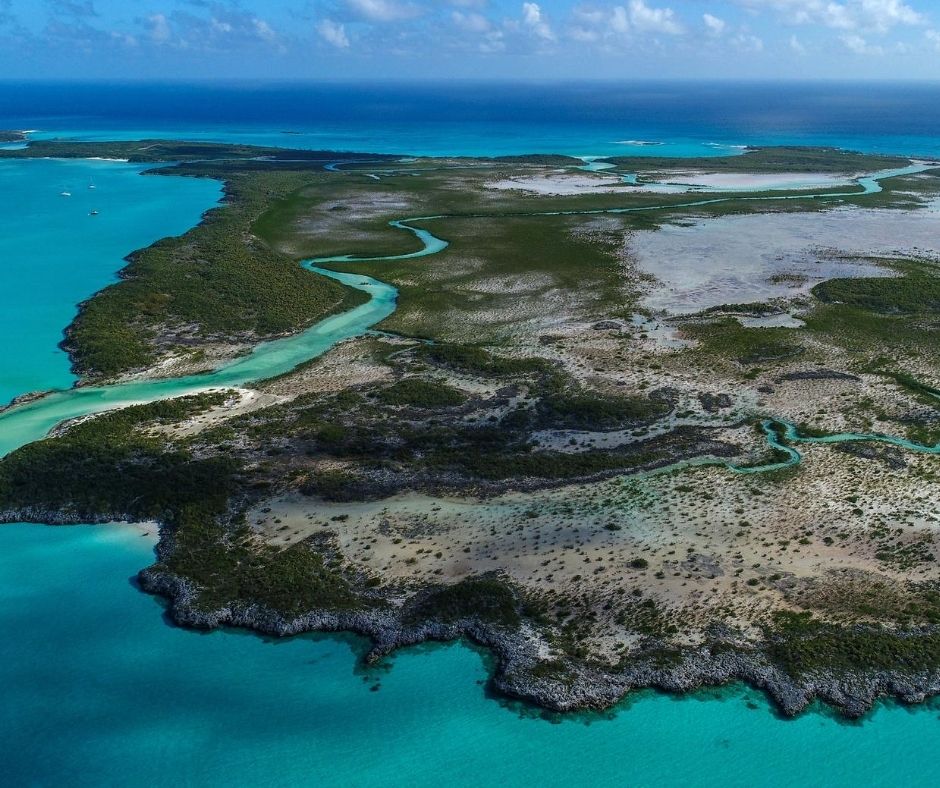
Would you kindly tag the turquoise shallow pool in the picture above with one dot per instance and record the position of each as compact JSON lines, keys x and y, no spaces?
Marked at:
{"x":99,"y":690}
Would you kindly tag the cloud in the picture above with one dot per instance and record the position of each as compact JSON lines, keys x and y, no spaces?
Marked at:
{"x":333,"y":33}
{"x":612,"y":25}
{"x":933,"y":36}
{"x":619,"y":21}
{"x":745,"y":42}
{"x":73,"y":8}
{"x":124,"y":39}
{"x":653,"y":20}
{"x":471,"y":22}
{"x":874,"y":15}
{"x":855,"y":43}
{"x":797,"y":46}
{"x":714,"y":25}
{"x":219,"y":27}
{"x":533,"y":19}
{"x":383,"y":10}
{"x":263,"y":30}
{"x":159,"y":29}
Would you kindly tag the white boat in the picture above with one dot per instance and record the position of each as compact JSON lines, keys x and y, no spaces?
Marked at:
{"x":93,"y":213}
{"x":91,"y":184}
{"x":65,"y":194}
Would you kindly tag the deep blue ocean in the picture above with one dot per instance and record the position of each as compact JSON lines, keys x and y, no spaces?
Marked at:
{"x":99,"y":689}
{"x":580,"y":119}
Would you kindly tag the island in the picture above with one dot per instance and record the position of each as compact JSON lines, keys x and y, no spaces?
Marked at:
{"x":627,"y":422}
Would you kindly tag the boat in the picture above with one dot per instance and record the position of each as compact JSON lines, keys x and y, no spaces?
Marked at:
{"x":65,"y":194}
{"x":91,"y":184}
{"x":93,"y":213}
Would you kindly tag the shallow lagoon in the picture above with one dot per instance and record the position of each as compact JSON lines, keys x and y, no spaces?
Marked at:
{"x":53,"y":254}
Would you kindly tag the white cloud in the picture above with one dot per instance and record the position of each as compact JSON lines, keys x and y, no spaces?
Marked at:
{"x":383,"y":10}
{"x":583,"y":35}
{"x":263,"y":30}
{"x":619,"y":22}
{"x":933,"y":36}
{"x":533,"y":19}
{"x":874,"y":15}
{"x":472,"y":23}
{"x":797,"y":46}
{"x":159,"y":29}
{"x":855,"y":43}
{"x":333,"y":33}
{"x":748,"y":43}
{"x":653,"y":20}
{"x":715,"y":25}
{"x":124,"y":39}
{"x":488,"y":37}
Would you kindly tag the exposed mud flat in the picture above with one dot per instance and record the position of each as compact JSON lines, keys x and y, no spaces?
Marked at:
{"x":751,"y":258}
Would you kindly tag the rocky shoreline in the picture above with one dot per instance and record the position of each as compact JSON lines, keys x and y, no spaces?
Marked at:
{"x":521,"y":671}
{"x":568,"y":686}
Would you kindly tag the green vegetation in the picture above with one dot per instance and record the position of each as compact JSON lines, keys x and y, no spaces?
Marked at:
{"x":752,"y":308}
{"x":217,"y":279}
{"x":240,"y":571}
{"x":773,"y":159}
{"x":802,"y":645}
{"x":111,"y":465}
{"x":488,"y":599}
{"x":543,"y":159}
{"x":916,"y":292}
{"x":498,"y":273}
{"x":869,"y":315}
{"x":419,"y":393}
{"x":584,"y":410}
{"x":143,"y":151}
{"x":476,"y":360}
{"x":729,"y":339}
{"x":116,"y":465}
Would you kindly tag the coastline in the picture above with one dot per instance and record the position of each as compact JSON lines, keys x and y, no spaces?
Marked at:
{"x":583,"y":687}
{"x":579,"y":688}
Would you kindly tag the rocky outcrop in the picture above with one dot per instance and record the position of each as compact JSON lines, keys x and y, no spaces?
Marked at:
{"x":43,"y":516}
{"x":564,"y":685}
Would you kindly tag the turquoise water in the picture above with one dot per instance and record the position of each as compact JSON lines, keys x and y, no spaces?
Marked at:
{"x":99,"y":690}
{"x":53,"y":254}
{"x":28,"y":422}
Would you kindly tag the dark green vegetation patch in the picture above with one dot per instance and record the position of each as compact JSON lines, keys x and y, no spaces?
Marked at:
{"x":488,"y":599}
{"x":420,"y":393}
{"x":802,"y":645}
{"x":728,"y":338}
{"x":110,"y":465}
{"x":477,"y":360}
{"x":774,"y":159}
{"x":217,"y":279}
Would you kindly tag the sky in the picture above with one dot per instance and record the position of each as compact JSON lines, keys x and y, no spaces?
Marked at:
{"x":469,"y":39}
